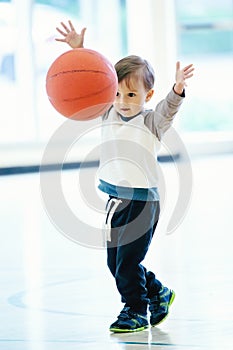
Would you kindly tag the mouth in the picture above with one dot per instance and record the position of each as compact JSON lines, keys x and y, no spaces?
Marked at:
{"x":125,"y":109}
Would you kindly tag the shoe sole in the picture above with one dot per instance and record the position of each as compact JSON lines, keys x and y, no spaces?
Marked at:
{"x":118,"y":330}
{"x":169,"y":304}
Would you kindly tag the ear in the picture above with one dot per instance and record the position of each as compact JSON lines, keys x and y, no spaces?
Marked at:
{"x":150,"y":93}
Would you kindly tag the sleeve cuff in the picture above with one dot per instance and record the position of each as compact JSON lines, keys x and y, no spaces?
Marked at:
{"x":183,"y":92}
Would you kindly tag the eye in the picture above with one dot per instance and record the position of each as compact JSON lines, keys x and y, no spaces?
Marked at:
{"x":131,"y":94}
{"x":117,"y":94}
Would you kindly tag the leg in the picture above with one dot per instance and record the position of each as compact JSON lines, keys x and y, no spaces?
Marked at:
{"x":153,"y":285}
{"x":132,"y":228}
{"x":160,"y":297}
{"x":111,"y":259}
{"x":130,"y":274}
{"x":132,"y":242}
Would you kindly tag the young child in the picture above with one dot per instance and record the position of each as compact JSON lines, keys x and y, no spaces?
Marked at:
{"x":127,"y":173}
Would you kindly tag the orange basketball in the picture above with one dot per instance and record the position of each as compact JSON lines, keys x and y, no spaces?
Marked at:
{"x":81,"y":84}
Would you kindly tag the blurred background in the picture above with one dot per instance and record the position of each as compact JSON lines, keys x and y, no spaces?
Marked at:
{"x":199,"y":32}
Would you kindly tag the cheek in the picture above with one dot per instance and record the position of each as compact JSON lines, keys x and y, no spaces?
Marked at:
{"x":139,"y":102}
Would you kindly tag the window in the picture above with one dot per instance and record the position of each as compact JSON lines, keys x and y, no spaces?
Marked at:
{"x":205,"y":37}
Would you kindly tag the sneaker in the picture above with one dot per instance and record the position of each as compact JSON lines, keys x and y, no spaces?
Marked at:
{"x":129,"y":321}
{"x":159,"y":305}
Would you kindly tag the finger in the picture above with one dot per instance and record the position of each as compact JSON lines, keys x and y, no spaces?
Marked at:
{"x":188,"y":76}
{"x":190,"y":70}
{"x":65,"y":27}
{"x":61,"y":32}
{"x":62,"y":40}
{"x":187,"y":67}
{"x":178,"y":65}
{"x":83,"y":31}
{"x":71,"y":25}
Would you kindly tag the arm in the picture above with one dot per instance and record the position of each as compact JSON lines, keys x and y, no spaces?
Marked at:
{"x":170,"y":105}
{"x":166,"y":109}
{"x":165,"y":112}
{"x":70,"y":36}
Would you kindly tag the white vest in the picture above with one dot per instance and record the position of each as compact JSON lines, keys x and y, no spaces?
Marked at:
{"x":128,"y":152}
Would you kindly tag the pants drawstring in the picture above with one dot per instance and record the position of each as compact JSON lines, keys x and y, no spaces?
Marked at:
{"x":110,"y":210}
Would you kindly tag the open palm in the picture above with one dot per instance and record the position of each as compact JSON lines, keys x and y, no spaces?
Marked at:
{"x":70,"y":36}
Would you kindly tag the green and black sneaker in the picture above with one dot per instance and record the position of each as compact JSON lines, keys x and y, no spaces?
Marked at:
{"x":159,"y":305}
{"x":129,"y":321}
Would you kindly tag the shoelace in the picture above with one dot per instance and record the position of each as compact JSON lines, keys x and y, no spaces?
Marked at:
{"x":124,"y":314}
{"x":127,"y":314}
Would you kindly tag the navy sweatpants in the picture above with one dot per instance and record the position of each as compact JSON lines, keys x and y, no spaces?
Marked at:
{"x":132,"y":228}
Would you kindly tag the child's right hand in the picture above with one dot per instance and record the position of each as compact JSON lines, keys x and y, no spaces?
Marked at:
{"x":71,"y":37}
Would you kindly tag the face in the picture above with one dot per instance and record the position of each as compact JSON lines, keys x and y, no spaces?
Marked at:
{"x":130,"y":101}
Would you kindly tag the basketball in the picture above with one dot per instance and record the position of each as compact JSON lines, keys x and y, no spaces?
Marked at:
{"x":81,"y":84}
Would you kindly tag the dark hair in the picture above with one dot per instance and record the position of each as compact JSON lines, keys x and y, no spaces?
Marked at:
{"x":135,"y":67}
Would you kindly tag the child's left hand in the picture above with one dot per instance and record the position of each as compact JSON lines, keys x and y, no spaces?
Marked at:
{"x":181,"y":76}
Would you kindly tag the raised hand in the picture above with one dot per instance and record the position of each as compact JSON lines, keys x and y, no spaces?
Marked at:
{"x":181,"y":76}
{"x":70,"y":36}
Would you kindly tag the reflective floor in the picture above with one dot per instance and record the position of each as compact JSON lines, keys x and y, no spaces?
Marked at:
{"x":57,"y":294}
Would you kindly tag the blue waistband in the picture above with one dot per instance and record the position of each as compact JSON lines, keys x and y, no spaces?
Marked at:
{"x":140,"y":194}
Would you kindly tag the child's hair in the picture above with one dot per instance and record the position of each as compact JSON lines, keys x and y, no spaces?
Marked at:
{"x":135,"y":67}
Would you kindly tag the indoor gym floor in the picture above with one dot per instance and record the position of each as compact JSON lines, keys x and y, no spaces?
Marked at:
{"x":59,"y":295}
